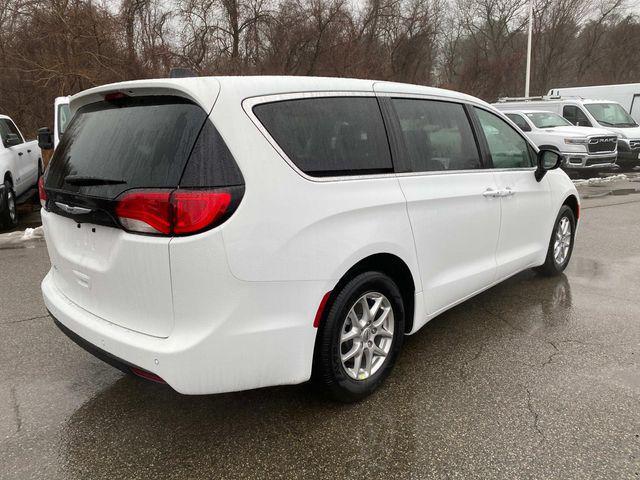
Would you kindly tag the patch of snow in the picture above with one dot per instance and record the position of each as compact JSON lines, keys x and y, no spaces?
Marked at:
{"x":21,"y":239}
{"x":601,"y":180}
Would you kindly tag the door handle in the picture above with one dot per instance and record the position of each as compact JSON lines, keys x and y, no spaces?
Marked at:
{"x":28,"y":151}
{"x":20,"y":154}
{"x":490,"y":193}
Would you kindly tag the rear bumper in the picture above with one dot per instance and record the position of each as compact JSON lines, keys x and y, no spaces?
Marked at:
{"x":247,"y":350}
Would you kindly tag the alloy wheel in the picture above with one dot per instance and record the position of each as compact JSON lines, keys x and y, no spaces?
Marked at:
{"x":366,"y":336}
{"x":562,"y":241}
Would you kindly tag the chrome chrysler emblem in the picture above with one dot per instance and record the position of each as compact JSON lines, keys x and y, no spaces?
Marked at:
{"x":71,"y":209}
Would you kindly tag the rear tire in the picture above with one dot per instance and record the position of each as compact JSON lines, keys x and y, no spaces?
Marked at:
{"x":9,"y":214}
{"x":356,"y":348}
{"x":560,"y":244}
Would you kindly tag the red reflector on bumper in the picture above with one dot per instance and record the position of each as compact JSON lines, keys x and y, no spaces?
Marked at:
{"x":321,"y":307}
{"x":146,"y":375}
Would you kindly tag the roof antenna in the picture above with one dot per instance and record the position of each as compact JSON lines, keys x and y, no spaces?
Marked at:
{"x":182,"y":73}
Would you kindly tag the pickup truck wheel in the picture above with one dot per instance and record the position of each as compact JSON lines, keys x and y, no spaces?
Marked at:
{"x":561,"y":243}
{"x":9,"y":214}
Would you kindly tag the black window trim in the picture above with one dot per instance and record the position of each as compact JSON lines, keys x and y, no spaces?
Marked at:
{"x":485,"y":145}
{"x":402,"y":151}
{"x":249,"y":103}
{"x":394,"y":137}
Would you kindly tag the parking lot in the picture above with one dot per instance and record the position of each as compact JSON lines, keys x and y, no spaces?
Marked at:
{"x":535,"y":378}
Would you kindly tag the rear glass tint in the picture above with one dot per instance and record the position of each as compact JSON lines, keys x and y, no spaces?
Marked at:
{"x":211,"y":163}
{"x":138,"y":142}
{"x":329,"y":136}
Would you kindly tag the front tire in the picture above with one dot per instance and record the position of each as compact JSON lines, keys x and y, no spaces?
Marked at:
{"x":561,"y":243}
{"x":9,"y":214}
{"x":360,"y":337}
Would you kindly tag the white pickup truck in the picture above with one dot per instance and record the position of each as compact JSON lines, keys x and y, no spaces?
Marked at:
{"x":20,"y":167}
{"x":585,"y":149}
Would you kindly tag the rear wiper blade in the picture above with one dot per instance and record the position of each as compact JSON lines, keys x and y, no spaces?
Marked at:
{"x":85,"y":181}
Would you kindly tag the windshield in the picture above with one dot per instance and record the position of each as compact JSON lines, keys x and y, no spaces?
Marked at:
{"x":548,"y":120}
{"x":141,"y":142}
{"x":611,"y":114}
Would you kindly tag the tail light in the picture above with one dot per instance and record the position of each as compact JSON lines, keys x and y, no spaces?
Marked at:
{"x":177,"y":212}
{"x":42,"y":194}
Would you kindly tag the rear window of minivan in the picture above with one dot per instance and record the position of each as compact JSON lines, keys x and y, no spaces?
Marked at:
{"x":329,"y":136}
{"x":141,"y":142}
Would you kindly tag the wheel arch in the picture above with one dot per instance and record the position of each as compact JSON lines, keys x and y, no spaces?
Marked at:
{"x":391,"y":265}
{"x":549,"y":147}
{"x":572,"y":202}
{"x":8,"y":177}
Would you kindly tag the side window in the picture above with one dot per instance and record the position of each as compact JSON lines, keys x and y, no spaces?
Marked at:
{"x":330,"y":136}
{"x":507,"y":147}
{"x":437,"y":134}
{"x":63,"y":117}
{"x":519,"y":121}
{"x":7,"y":127}
{"x":575,"y":115}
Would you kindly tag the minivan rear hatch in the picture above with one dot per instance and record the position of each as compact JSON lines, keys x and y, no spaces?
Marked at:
{"x":111,"y":147}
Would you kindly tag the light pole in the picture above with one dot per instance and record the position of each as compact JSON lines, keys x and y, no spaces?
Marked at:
{"x":528,"y":77}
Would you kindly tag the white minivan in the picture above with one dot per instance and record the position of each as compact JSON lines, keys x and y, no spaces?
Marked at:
{"x":221,"y":234}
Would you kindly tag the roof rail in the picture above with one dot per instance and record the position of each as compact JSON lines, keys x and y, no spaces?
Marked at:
{"x":519,"y":99}
{"x":540,"y":98}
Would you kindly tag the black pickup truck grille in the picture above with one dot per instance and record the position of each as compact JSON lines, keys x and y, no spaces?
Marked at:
{"x":602,"y":144}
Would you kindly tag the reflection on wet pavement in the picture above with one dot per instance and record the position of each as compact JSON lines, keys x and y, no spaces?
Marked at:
{"x":535,"y":378}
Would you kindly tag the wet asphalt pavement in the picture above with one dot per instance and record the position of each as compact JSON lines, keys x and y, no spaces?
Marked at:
{"x":535,"y":378}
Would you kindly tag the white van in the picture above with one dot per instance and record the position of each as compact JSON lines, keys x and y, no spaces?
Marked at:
{"x":228,"y":233}
{"x":627,"y":95}
{"x":61,"y":117}
{"x":583,"y":112}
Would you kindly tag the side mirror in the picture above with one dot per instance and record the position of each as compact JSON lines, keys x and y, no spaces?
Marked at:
{"x":12,"y":139}
{"x":45,"y":138}
{"x":547,"y":160}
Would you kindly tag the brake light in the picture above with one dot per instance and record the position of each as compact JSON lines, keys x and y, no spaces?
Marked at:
{"x":115,"y":96}
{"x":42,"y":194}
{"x":177,"y":212}
{"x":194,"y":211}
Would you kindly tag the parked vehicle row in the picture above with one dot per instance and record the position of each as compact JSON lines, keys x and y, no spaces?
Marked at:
{"x":600,"y":114}
{"x":584,"y":148}
{"x":221,"y":234}
{"x":20,"y":167}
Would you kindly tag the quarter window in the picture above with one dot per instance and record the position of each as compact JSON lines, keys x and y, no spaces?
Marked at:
{"x":330,"y":136}
{"x":507,"y":147}
{"x":437,"y":134}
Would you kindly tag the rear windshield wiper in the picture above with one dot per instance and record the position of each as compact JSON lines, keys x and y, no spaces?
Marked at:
{"x":85,"y":181}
